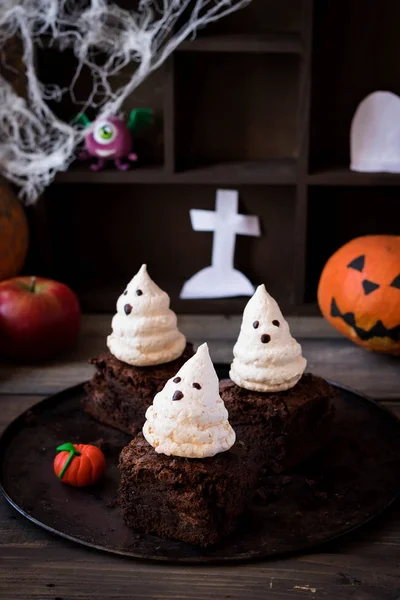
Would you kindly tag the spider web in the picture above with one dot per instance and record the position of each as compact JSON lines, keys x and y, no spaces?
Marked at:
{"x":34,"y":143}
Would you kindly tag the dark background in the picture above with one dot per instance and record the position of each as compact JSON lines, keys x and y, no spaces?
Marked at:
{"x":262,"y":102}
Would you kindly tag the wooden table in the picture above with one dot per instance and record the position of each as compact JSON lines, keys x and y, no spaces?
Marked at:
{"x":40,"y":566}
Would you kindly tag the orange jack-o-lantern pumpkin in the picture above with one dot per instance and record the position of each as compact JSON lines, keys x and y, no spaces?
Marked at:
{"x":359,"y":292}
{"x":14,"y":233}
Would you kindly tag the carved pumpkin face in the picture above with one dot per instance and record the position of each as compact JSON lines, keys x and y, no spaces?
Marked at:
{"x":359,"y":292}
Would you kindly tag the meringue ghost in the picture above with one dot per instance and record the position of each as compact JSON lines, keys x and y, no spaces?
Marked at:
{"x":266,"y":357}
{"x":144,"y":329}
{"x":188,"y":417}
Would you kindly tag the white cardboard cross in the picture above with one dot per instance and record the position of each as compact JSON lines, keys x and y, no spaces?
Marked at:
{"x":222,"y":280}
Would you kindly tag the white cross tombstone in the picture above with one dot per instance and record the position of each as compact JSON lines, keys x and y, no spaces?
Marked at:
{"x":222,"y":280}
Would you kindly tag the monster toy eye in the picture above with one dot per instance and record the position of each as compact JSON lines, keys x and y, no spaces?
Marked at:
{"x":104,"y":133}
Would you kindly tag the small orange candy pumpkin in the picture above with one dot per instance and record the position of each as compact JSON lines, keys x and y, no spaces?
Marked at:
{"x":359,"y":292}
{"x":79,"y":464}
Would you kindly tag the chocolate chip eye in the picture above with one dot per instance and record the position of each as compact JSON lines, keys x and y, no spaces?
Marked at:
{"x":276,"y":323}
{"x":177,"y":380}
{"x":197,"y":386}
{"x":177,"y":395}
{"x":265,"y":338}
{"x":256,"y":324}
{"x":139,"y":293}
{"x":396,"y":282}
{"x":369,"y":286}
{"x":125,"y":292}
{"x":128,"y":309}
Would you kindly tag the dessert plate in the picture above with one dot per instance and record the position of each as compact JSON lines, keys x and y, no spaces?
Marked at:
{"x":347,"y":484}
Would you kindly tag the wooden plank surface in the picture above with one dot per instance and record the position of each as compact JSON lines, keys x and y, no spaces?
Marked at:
{"x":12,"y":406}
{"x":38,"y":566}
{"x":328,"y":355}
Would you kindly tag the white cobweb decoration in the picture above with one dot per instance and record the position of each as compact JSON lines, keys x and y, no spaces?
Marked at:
{"x":34,"y":143}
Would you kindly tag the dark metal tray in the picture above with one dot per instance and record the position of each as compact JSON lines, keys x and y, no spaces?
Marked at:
{"x":347,"y":484}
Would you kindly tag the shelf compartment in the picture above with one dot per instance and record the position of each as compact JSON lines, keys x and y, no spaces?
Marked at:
{"x":78,"y":173}
{"x":269,"y":172}
{"x":219,"y":121}
{"x":346,"y":68}
{"x":284,"y":43}
{"x":338,"y":214}
{"x":153,"y":225}
{"x":259,"y":17}
{"x":343,"y":176}
{"x":58,"y":68}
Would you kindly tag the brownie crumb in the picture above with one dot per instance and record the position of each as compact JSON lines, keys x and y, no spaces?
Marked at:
{"x":99,"y":443}
{"x":346,"y":579}
{"x":112,"y":504}
{"x":30,"y":419}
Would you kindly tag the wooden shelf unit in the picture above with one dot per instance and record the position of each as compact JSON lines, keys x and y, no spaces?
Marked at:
{"x":268,"y":172}
{"x":344,"y":176}
{"x":289,"y":43}
{"x":261,"y":101}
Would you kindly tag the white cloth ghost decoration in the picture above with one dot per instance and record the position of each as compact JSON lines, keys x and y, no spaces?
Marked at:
{"x":375,"y":134}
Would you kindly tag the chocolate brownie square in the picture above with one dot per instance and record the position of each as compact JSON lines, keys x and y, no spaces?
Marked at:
{"x":119,"y":394}
{"x":281,"y":429}
{"x":194,"y":500}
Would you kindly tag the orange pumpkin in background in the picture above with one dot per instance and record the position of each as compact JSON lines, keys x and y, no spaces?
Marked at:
{"x":359,"y":292}
{"x":14,"y":233}
{"x":79,"y":464}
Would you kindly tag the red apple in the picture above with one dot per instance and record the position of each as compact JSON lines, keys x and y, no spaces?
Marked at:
{"x":39,"y":318}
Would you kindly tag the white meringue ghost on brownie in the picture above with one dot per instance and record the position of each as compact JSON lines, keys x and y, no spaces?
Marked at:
{"x":144,"y":329}
{"x":266,"y":356}
{"x":188,"y":417}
